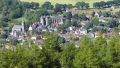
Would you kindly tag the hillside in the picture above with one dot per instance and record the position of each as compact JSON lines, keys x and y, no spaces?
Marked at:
{"x":64,"y":1}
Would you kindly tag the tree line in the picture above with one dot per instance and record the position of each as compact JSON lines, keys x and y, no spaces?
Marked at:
{"x":107,"y":4}
{"x":100,"y":53}
{"x":12,"y":9}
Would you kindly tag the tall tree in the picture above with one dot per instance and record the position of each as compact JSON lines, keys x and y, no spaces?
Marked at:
{"x":68,"y":55}
{"x":85,"y":58}
{"x":82,"y":5}
{"x":47,"y":5}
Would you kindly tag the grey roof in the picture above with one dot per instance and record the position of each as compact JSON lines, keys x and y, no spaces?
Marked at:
{"x":56,"y":17}
{"x":17,"y":27}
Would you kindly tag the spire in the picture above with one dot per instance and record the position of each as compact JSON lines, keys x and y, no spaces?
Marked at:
{"x":22,"y":25}
{"x":41,"y":20}
{"x":46,"y":18}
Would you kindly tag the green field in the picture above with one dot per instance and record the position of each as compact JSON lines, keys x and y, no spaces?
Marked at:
{"x":64,"y":1}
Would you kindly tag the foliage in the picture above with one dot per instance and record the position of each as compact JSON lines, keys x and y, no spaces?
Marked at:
{"x":47,"y":5}
{"x":35,"y":16}
{"x":82,"y":5}
{"x":101,"y":52}
{"x":68,"y":55}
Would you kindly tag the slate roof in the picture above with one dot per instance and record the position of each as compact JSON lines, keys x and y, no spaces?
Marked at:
{"x":17,"y":27}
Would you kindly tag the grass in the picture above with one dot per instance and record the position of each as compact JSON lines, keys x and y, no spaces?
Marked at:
{"x":65,"y":1}
{"x":89,"y":11}
{"x":0,"y":15}
{"x":20,"y":19}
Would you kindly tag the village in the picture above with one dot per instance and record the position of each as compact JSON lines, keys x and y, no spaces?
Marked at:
{"x":74,"y":32}
{"x":69,"y":22}
{"x":59,"y":34}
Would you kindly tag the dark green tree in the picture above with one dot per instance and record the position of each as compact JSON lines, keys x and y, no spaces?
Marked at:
{"x":68,"y":55}
{"x":47,"y":5}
